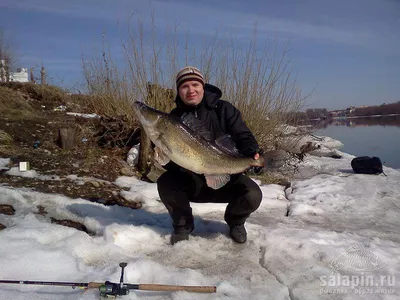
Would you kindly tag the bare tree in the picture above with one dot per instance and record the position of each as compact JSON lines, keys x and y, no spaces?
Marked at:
{"x":8,"y":57}
{"x":43,"y":77}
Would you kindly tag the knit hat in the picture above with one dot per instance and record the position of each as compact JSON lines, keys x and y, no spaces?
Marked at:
{"x":189,"y":73}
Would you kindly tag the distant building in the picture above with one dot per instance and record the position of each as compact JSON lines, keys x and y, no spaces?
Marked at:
{"x":335,"y":113}
{"x":350,"y":109}
{"x":21,"y":74}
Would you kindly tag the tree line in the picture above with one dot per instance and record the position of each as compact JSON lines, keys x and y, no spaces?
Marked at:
{"x":384,"y":109}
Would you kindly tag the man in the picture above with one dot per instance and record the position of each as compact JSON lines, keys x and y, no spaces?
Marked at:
{"x":178,"y":187}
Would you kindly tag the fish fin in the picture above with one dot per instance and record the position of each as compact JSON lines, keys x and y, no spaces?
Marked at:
{"x":217,"y":181}
{"x":163,"y":145}
{"x":160,"y":156}
{"x":226,"y":144}
{"x":196,"y":125}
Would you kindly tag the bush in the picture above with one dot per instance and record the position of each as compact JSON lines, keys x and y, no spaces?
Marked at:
{"x":255,"y":79}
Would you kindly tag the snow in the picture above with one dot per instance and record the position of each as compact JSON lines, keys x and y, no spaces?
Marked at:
{"x":324,"y":146}
{"x":332,"y":235}
{"x":30,"y":174}
{"x":88,"y":116}
{"x":3,"y":163}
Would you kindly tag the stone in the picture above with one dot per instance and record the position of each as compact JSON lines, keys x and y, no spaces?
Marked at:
{"x":126,"y":171}
{"x":94,"y":183}
{"x":6,"y":209}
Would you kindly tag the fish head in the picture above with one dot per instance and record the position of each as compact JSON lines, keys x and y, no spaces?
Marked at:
{"x":147,"y":116}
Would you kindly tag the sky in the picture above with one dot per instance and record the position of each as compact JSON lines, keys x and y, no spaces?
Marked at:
{"x":342,"y":53}
{"x":332,"y":235}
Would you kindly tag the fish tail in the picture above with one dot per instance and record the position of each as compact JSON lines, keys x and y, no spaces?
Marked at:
{"x":274,"y":158}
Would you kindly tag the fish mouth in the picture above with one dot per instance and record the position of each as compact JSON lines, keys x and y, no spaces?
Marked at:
{"x":146,"y":115}
{"x":138,"y":107}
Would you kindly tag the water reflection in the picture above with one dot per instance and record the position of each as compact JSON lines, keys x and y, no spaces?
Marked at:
{"x":358,"y":122}
{"x":373,"y":136}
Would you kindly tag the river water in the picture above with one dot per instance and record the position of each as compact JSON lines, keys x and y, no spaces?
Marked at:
{"x":374,"y":136}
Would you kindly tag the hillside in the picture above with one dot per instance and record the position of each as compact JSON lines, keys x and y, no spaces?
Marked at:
{"x":31,"y":117}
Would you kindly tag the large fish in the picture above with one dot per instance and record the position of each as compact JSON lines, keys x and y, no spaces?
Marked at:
{"x":186,"y":142}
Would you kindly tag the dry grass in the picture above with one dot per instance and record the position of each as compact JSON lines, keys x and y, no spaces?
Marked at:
{"x":109,"y":90}
{"x":13,"y":105}
{"x":5,"y":138}
{"x":43,"y":93}
{"x":260,"y":84}
{"x":17,"y":99}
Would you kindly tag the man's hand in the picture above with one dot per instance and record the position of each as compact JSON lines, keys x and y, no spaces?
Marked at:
{"x":257,"y":170}
{"x":258,"y":153}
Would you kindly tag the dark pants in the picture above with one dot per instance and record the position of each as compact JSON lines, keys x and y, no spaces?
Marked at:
{"x":178,"y":188}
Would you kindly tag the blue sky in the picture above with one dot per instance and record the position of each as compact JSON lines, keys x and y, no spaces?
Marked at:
{"x":346,"y":52}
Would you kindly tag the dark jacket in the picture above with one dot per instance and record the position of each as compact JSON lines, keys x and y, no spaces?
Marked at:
{"x":221,"y":118}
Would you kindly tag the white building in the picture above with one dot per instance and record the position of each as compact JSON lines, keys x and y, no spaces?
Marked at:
{"x":21,"y":74}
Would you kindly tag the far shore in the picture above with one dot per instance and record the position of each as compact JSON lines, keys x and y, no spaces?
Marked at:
{"x":372,"y":116}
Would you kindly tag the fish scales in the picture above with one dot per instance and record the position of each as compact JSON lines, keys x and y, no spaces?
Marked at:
{"x":195,"y":153}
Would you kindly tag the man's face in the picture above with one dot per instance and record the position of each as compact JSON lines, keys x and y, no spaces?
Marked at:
{"x":191,"y":92}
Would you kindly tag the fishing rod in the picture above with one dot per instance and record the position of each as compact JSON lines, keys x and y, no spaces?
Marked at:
{"x":111,"y":289}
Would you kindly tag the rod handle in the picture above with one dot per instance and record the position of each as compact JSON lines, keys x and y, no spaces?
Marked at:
{"x":95,"y":285}
{"x":163,"y":287}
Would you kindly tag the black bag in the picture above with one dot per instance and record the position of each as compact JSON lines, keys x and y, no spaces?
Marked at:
{"x":367,"y":165}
